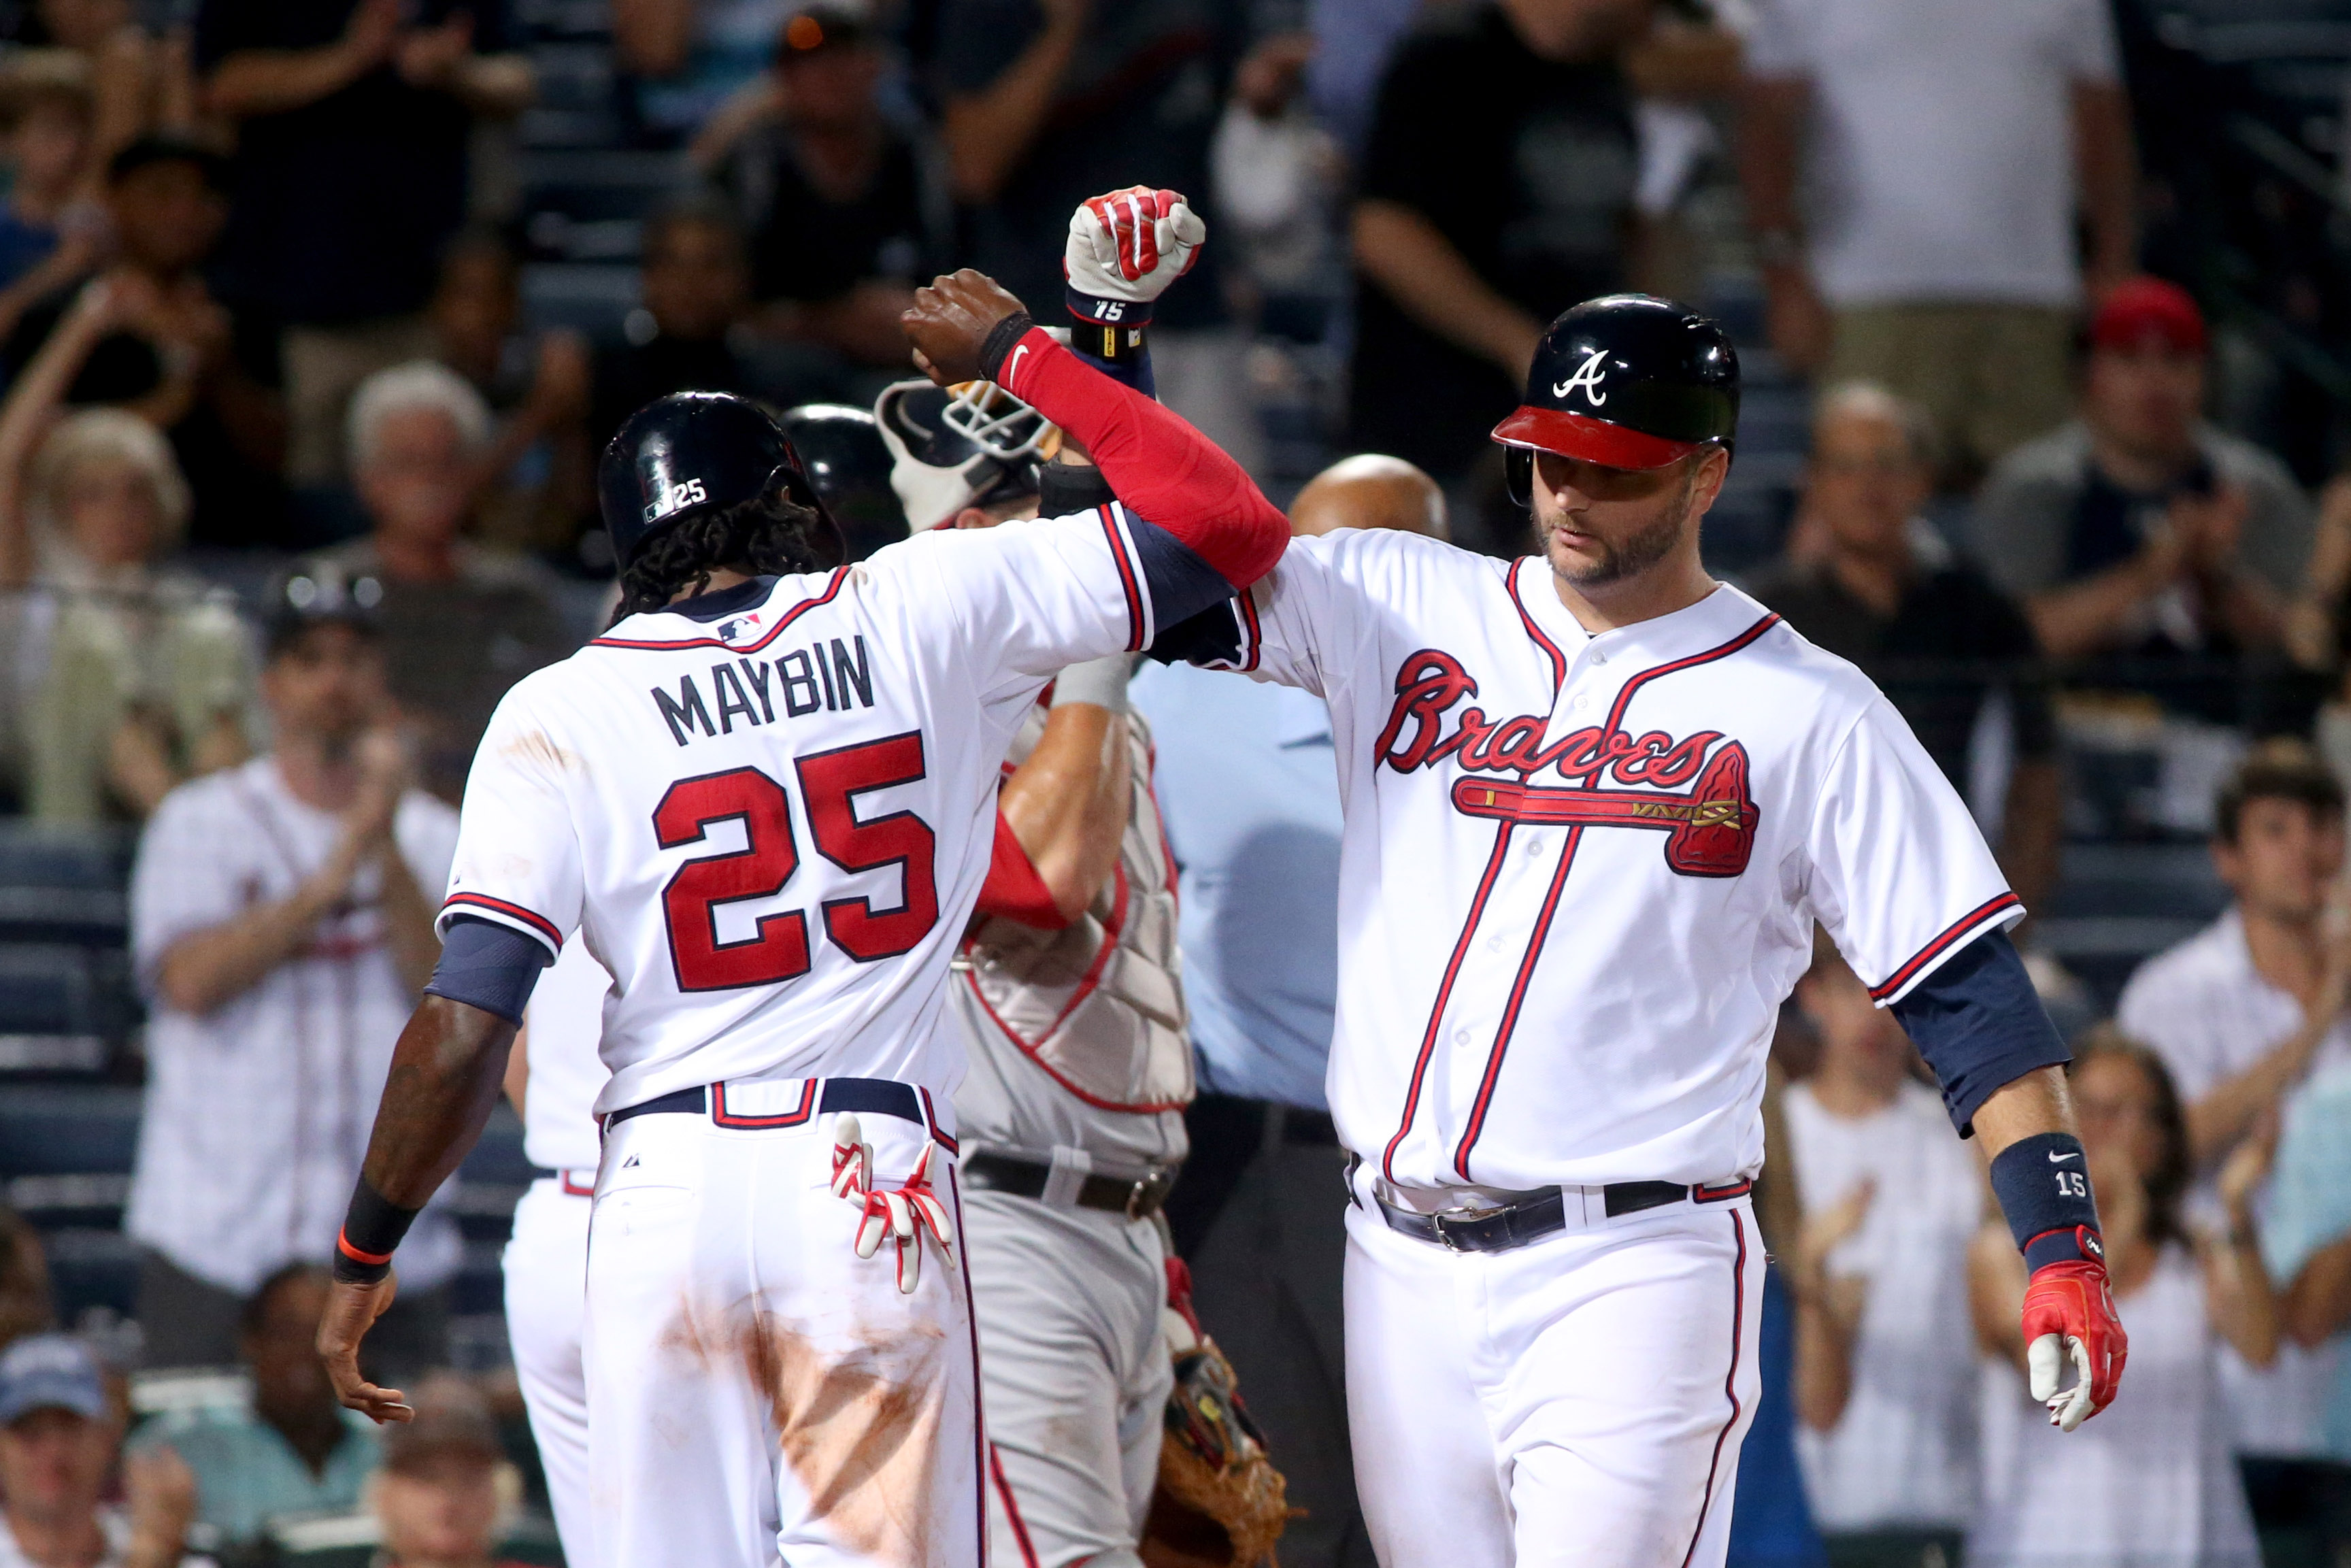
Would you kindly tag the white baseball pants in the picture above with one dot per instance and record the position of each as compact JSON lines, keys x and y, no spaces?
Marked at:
{"x":758,"y":1393}
{"x":1574,"y":1402}
{"x":1076,"y":1375}
{"x":546,"y":1269}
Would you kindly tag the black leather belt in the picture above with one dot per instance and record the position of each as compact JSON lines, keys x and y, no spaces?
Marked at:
{"x":1136,"y":1197}
{"x":1539,"y":1214}
{"x":880,"y":1096}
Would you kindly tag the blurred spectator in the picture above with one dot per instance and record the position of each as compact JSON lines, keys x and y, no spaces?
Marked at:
{"x":533,"y":489}
{"x":1049,"y":102}
{"x":1249,"y":796}
{"x":2307,"y":1234}
{"x":352,"y":121}
{"x":2148,"y":1481}
{"x":694,"y":58}
{"x":460,"y":623}
{"x":25,"y":1304}
{"x":48,"y":237}
{"x":1890,"y":1203}
{"x":281,"y":922}
{"x":295,"y":1449}
{"x":1495,"y":192}
{"x":846,"y":212}
{"x":1885,"y":591}
{"x":171,"y":354}
{"x":690,"y":334}
{"x":1279,"y":178}
{"x":2137,"y":528}
{"x":446,"y":1491}
{"x":1943,"y":151}
{"x":128,"y":678}
{"x":59,"y":1437}
{"x":2245,"y":1010}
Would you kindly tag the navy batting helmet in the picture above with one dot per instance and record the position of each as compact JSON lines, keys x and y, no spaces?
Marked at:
{"x":849,"y":464}
{"x":692,"y":452}
{"x":1627,"y":380}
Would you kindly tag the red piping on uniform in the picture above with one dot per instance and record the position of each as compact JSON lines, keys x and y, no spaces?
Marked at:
{"x":539,"y":922}
{"x":792,"y":1118}
{"x":1444,"y":993}
{"x":1256,"y":650}
{"x":1127,"y":577}
{"x":1558,"y":659}
{"x":1559,"y":882}
{"x":1959,"y":930}
{"x":839,"y":576}
{"x":564,"y":1183}
{"x":1729,"y":1381}
{"x":1011,"y":1508}
{"x":979,"y":1446}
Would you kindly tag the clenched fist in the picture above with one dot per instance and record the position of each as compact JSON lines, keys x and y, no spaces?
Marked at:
{"x":950,"y":323}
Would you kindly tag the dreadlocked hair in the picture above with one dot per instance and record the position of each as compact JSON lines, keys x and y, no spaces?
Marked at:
{"x":769,"y":536}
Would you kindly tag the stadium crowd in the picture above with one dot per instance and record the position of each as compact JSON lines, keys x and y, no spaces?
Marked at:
{"x":281,"y":333}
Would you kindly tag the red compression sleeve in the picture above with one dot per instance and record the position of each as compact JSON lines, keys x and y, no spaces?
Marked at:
{"x":1014,"y":889}
{"x":1164,"y":471}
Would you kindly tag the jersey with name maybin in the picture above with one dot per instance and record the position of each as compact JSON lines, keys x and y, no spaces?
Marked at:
{"x":768,"y":812}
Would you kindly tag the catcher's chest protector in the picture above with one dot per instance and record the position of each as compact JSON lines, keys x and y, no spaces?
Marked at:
{"x":1099,"y":1005}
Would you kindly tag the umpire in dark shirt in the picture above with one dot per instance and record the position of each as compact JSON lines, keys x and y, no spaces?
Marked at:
{"x":1868,"y":582}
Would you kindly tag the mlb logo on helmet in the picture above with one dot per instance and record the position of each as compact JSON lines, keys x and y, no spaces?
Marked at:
{"x":669,"y":498}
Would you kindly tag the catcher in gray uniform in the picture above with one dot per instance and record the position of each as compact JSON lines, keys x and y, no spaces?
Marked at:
{"x":1068,"y":992}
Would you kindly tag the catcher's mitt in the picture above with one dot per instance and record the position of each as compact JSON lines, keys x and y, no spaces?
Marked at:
{"x":1219,"y":1503}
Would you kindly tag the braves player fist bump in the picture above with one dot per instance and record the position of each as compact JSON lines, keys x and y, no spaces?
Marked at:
{"x":950,"y":322}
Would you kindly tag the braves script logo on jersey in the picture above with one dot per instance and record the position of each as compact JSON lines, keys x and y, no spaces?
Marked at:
{"x":1709,"y":827}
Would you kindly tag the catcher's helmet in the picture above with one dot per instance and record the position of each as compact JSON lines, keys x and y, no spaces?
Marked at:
{"x":696,"y":452}
{"x":1627,"y":380}
{"x":972,"y":444}
{"x":841,"y":450}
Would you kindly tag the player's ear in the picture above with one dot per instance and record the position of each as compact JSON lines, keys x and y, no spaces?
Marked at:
{"x":971,"y":518}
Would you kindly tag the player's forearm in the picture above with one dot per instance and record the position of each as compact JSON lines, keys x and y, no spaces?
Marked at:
{"x":1067,"y":804}
{"x":2023,"y":1108}
{"x":446,"y":1073}
{"x":1412,"y":262}
{"x":1159,"y":466}
{"x":518,"y":1078}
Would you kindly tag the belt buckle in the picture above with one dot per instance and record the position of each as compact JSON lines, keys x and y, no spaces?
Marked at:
{"x":1459,"y":1216}
{"x":1142,"y":1189}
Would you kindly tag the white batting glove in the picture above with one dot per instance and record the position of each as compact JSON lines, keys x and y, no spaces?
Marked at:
{"x":1129,"y":245}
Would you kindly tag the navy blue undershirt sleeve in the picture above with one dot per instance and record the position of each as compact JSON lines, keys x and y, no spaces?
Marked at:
{"x":1180,"y":583}
{"x":487,"y":965}
{"x":1980,"y":1025}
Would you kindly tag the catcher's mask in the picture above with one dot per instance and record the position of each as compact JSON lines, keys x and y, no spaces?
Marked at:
{"x":971,"y":444}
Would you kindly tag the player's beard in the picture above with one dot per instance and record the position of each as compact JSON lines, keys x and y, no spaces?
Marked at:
{"x":1640,"y":552}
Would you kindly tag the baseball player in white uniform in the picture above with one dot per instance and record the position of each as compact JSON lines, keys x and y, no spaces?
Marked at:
{"x":1595,"y":804}
{"x":553,"y":1077}
{"x":766,"y":799}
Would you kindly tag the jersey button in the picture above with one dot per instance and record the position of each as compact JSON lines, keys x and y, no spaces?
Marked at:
{"x":1583,"y":702}
{"x":1461,"y":1036}
{"x":1598,"y":657}
{"x":1493,"y":944}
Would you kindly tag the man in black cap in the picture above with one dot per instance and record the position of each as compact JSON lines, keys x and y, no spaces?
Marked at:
{"x":1594,"y":804}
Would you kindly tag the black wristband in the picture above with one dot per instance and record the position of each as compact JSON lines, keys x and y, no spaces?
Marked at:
{"x":372,"y":1227}
{"x":1107,"y":329}
{"x":1001,"y":338}
{"x":1065,"y":488}
{"x":2042,"y":1183}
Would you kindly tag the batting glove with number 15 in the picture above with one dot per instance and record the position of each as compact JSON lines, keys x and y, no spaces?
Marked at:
{"x":1128,"y":246}
{"x":2069,"y":1314}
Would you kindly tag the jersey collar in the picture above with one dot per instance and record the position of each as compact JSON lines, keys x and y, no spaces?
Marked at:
{"x":1719,"y":617}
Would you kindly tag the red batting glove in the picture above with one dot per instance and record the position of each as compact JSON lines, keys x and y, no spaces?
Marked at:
{"x":2069,"y":1312}
{"x":1136,"y":217}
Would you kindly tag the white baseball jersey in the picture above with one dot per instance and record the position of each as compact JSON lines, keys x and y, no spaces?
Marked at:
{"x":770,"y":820}
{"x":1580,"y":874}
{"x":558,"y":1106}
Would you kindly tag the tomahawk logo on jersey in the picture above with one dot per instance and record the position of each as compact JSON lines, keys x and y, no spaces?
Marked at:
{"x":1626,"y":837}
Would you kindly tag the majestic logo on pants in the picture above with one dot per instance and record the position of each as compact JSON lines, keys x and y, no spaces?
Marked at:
{"x":1710,"y":827}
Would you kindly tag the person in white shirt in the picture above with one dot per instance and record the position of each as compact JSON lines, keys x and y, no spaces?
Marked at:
{"x":1898,"y":1449}
{"x":1908,"y":179}
{"x":60,"y":1437}
{"x":2153,"y":1487}
{"x":281,"y":930}
{"x":2243,"y":1011}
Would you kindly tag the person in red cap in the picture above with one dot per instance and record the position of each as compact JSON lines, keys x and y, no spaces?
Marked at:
{"x":2138,"y":528}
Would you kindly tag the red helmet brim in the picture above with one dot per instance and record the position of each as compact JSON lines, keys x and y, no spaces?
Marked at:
{"x":1591,"y":440}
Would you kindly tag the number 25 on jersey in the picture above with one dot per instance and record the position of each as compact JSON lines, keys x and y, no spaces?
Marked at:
{"x":777,"y":950}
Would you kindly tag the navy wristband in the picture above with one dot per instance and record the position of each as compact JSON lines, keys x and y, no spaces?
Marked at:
{"x":372,"y":1227}
{"x":2042,"y":1183}
{"x":1093,"y":311}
